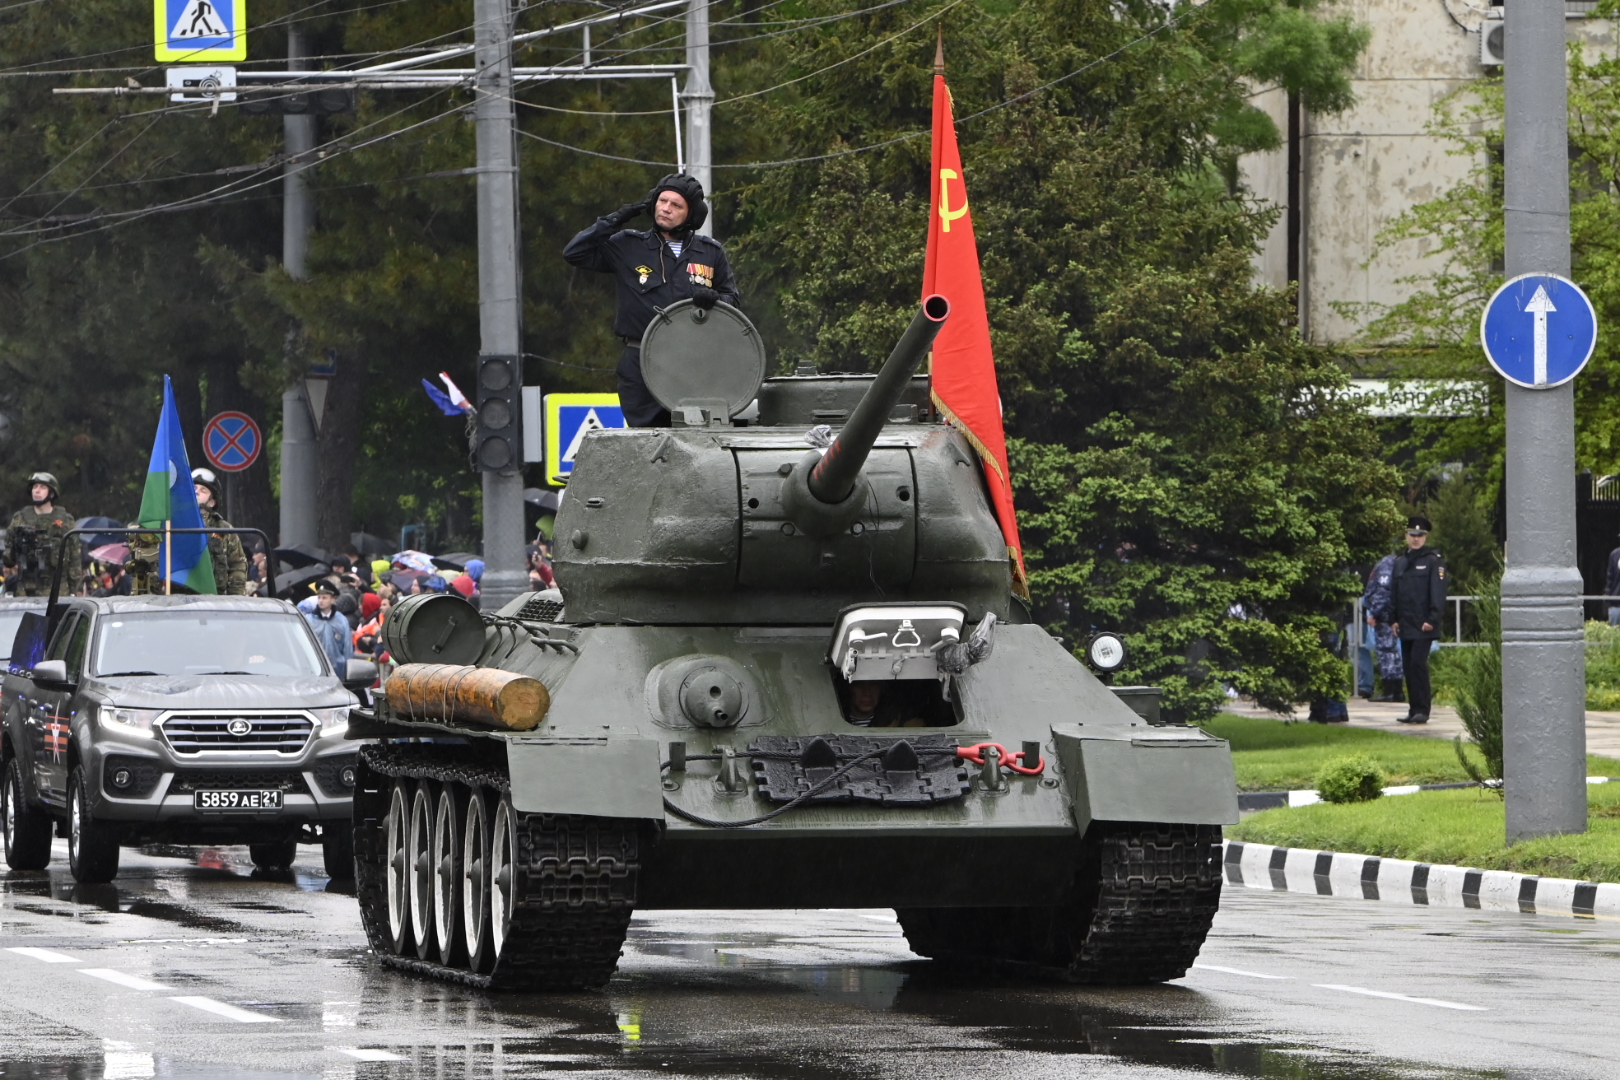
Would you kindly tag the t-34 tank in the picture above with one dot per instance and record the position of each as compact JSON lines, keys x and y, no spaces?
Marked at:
{"x":785,"y":668}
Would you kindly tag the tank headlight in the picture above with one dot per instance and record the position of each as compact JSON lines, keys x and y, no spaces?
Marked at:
{"x":1105,"y":651}
{"x":129,"y":719}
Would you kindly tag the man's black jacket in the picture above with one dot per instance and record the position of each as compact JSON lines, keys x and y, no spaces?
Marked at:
{"x":649,"y":273}
{"x":1420,"y":593}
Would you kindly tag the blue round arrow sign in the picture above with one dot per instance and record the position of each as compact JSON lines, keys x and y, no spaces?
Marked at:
{"x":1538,"y":331}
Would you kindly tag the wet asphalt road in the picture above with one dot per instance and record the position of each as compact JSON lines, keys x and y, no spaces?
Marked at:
{"x":192,"y":966}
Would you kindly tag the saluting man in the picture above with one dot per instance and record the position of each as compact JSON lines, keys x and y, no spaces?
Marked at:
{"x":668,"y":262}
{"x":1420,"y":597}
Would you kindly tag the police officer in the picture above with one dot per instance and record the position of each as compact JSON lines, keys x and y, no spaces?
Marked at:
{"x":34,"y":537}
{"x":668,"y":262}
{"x":225,"y":549}
{"x":1378,"y":605}
{"x":1420,"y":597}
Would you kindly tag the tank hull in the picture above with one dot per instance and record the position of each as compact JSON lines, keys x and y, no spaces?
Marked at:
{"x":619,"y":756}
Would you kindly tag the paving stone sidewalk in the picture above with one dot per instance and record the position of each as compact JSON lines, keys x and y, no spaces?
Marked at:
{"x":1602,"y":728}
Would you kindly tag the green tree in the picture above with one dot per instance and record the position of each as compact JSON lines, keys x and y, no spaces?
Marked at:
{"x":1187,"y":470}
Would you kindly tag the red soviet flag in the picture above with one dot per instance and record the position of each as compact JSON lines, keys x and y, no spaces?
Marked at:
{"x":964,"y":368}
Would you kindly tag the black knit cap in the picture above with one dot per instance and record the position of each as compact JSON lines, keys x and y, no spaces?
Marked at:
{"x":688,"y":188}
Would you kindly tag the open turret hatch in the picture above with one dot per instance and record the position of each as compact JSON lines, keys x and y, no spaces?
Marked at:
{"x":703,"y":366}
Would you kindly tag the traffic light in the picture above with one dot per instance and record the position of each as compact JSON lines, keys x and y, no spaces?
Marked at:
{"x":498,"y":443}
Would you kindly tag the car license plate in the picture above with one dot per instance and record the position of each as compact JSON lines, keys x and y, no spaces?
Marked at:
{"x":236,"y":800}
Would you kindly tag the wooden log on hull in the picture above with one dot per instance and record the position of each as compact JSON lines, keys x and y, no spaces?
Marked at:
{"x":475,"y":696}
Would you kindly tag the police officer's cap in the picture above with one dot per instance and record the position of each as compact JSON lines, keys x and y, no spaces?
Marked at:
{"x":1418,"y":525}
{"x":48,"y":480}
{"x":325,"y":586}
{"x":207,"y":479}
{"x":688,"y":188}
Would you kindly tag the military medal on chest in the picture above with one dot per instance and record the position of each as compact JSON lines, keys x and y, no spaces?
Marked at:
{"x":643,"y":271}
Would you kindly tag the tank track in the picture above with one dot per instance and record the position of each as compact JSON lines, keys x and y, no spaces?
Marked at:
{"x":1144,"y":898}
{"x":576,"y":877}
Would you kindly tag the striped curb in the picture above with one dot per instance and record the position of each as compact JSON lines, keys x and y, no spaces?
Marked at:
{"x":1276,"y":800}
{"x":1399,"y":881}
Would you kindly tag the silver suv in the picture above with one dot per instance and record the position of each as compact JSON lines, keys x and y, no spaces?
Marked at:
{"x":179,"y":719}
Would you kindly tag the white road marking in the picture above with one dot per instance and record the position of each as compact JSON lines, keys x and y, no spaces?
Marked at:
{"x":134,"y":982}
{"x":363,"y":1054}
{"x":1240,"y":971}
{"x":46,"y":956}
{"x":890,"y":919}
{"x":230,"y":1012}
{"x":1436,"y":1002}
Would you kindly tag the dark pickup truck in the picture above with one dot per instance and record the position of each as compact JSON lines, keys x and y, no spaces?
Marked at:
{"x":179,"y":719}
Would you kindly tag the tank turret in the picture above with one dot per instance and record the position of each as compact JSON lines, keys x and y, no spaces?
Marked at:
{"x":716,"y":523}
{"x":783,"y":668}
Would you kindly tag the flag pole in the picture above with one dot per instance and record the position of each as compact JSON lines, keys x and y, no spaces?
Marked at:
{"x":168,"y":558}
{"x":939,"y":51}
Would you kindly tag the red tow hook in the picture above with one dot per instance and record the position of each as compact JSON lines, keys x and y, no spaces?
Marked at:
{"x":1009,"y":759}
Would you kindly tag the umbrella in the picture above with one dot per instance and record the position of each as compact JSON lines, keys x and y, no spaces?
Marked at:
{"x":117,"y":554}
{"x":97,"y":540}
{"x":413,"y":560}
{"x":403,"y":579}
{"x":545,"y":500}
{"x":294,"y":584}
{"x":369,"y":545}
{"x":299,"y":556}
{"x":455,"y":560}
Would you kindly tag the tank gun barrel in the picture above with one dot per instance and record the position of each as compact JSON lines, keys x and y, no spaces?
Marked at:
{"x":834,"y":476}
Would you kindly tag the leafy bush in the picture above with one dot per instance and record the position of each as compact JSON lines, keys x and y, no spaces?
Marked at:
{"x":1350,"y":779}
{"x":1602,"y":666}
{"x":1476,"y":680}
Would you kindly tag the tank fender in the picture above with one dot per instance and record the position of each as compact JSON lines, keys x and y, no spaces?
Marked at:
{"x":1182,"y":777}
{"x":599,"y":777}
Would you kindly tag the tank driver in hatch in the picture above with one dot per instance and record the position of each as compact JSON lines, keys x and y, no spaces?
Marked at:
{"x":668,"y":262}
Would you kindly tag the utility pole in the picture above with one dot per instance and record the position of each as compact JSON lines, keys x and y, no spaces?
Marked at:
{"x":500,"y":284}
{"x":300,"y":454}
{"x":1543,"y":648}
{"x":699,"y":98}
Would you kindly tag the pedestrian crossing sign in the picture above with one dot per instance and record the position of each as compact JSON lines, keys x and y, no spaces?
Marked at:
{"x":571,"y":417}
{"x":200,"y":31}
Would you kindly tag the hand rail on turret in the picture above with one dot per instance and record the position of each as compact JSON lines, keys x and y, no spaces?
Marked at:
{"x":834,"y":476}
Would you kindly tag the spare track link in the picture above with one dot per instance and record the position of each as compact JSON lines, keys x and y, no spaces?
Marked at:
{"x":578,"y":877}
{"x":1144,"y":898}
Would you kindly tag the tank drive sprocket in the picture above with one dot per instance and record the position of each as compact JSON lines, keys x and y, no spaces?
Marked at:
{"x":557,"y":918}
{"x":1143,"y":901}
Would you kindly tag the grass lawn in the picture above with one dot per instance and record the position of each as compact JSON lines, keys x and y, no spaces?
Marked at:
{"x":1459,"y":828}
{"x":1273,"y":756}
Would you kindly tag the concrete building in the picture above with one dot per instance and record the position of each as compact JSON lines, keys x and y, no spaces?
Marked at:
{"x":1342,"y":179}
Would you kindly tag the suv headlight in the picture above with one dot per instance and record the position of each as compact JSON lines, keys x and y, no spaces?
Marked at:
{"x":128,"y":719}
{"x":332,"y":719}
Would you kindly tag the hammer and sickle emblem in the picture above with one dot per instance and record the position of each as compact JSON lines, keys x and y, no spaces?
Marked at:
{"x":945,"y":212}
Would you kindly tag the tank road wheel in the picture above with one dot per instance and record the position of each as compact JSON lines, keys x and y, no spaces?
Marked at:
{"x":398,"y":828}
{"x":449,"y":818}
{"x":372,"y":792}
{"x":28,"y":831}
{"x":1142,"y":902}
{"x":475,"y":890}
{"x":502,"y":877}
{"x":419,"y":862}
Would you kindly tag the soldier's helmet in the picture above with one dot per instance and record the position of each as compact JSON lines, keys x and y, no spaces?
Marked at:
{"x":48,"y":480}
{"x":206,"y":478}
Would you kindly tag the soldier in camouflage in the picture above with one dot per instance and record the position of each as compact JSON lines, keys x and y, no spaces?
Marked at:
{"x":1378,"y":605}
{"x":34,"y":537}
{"x":230,"y":561}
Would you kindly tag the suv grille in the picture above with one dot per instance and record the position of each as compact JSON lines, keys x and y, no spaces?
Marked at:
{"x":188,"y":780}
{"x":193,"y":733}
